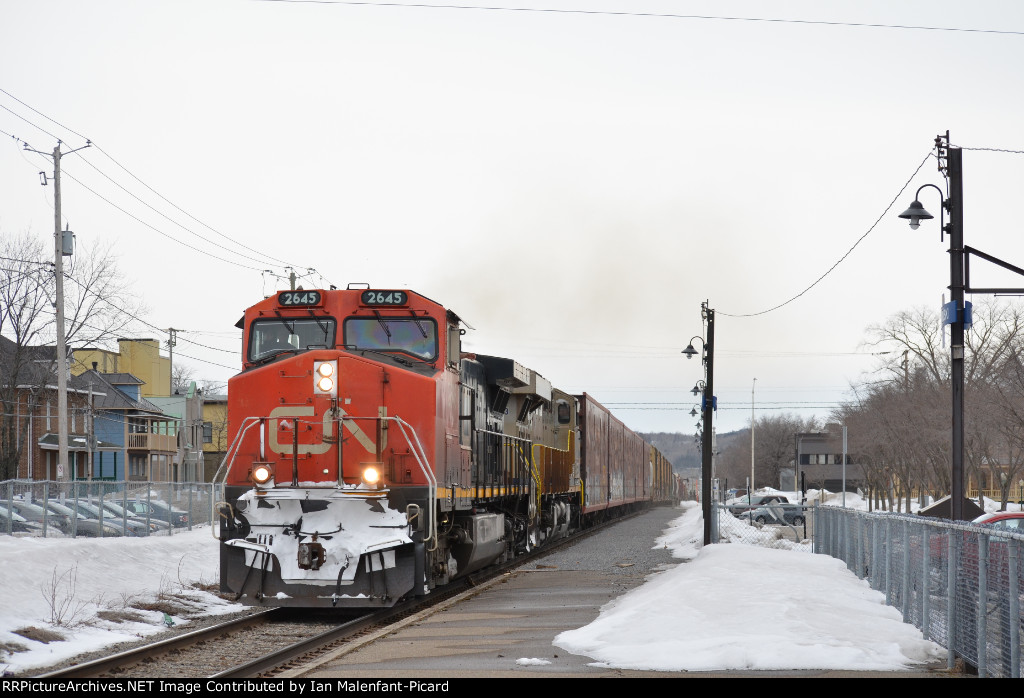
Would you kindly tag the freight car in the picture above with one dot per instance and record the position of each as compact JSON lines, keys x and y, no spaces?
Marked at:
{"x":371,"y":459}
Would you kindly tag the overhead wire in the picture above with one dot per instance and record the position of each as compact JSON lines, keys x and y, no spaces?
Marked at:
{"x":634,"y":13}
{"x":266,"y":260}
{"x":845,"y":255}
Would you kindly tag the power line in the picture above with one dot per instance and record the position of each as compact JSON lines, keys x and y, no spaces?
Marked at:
{"x":261,"y":261}
{"x":847,"y":254}
{"x":664,"y":15}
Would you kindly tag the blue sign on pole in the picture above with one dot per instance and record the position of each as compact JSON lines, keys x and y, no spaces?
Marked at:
{"x":949,"y":313}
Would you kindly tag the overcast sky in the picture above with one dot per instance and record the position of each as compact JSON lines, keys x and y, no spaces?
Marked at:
{"x":573,"y":184}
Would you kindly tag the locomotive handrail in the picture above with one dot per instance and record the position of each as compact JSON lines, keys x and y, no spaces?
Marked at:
{"x":421,"y":459}
{"x":234,"y":445}
{"x":507,"y":436}
{"x":424,"y":466}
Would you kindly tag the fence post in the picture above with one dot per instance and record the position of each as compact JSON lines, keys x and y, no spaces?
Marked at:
{"x":887,"y":562}
{"x":982,"y":604}
{"x":926,"y":575}
{"x":1014,"y":573}
{"x":10,"y":507}
{"x":905,"y":573}
{"x":951,"y":585}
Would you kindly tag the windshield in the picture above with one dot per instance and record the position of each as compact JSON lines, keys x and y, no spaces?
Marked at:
{"x":416,"y":336}
{"x":287,"y":334}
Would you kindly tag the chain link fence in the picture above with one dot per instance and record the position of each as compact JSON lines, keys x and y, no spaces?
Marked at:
{"x":959,"y":583}
{"x":776,"y":525}
{"x":103,"y":508}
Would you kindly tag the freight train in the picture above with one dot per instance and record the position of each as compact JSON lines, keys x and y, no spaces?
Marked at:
{"x":371,"y":459}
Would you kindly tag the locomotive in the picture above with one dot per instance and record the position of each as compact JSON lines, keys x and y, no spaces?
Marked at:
{"x":370,"y":459}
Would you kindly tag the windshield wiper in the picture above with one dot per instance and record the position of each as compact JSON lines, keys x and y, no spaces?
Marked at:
{"x":400,"y":359}
{"x":322,"y":326}
{"x":290,"y":327}
{"x":418,"y":325}
{"x":270,"y":357}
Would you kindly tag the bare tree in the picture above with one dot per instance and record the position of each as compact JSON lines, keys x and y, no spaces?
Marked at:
{"x":774,"y":449}
{"x":904,"y":418}
{"x":182,"y":375}
{"x":97,"y":304}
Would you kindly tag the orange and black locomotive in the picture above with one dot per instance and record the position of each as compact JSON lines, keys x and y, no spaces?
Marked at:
{"x":371,"y":459}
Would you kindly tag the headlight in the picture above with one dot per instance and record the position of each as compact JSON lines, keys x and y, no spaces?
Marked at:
{"x":324,"y":379}
{"x":371,"y":475}
{"x":262,"y":474}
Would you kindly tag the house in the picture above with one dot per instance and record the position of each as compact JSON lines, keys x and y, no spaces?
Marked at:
{"x":140,"y":442}
{"x":215,"y":431}
{"x":29,"y":423}
{"x":187,"y":410}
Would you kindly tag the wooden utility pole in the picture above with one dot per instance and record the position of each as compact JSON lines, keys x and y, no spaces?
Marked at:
{"x":172,"y":339}
{"x":63,"y":467}
{"x":63,"y":245}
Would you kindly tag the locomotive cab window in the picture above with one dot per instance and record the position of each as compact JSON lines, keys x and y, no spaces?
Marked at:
{"x":564,"y":412}
{"x":415,"y":336}
{"x":280,"y":335}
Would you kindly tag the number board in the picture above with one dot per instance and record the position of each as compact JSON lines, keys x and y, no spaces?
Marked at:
{"x":384,"y":297}
{"x":292,"y":299}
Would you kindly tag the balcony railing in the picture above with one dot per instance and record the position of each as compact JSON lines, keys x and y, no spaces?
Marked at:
{"x":153,"y":442}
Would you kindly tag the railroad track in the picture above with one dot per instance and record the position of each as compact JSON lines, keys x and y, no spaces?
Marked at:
{"x":283,"y":641}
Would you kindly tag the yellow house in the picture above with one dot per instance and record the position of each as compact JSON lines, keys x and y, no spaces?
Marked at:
{"x":215,"y":431}
{"x":139,"y":357}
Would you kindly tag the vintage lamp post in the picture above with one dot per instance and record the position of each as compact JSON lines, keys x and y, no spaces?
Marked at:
{"x":706,"y":389}
{"x":956,"y":313}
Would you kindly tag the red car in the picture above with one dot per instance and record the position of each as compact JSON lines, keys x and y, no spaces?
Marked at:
{"x":1011,"y":521}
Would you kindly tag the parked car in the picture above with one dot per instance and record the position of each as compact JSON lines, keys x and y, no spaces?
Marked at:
{"x":88,"y":522}
{"x":1011,"y":521}
{"x":741,"y":506}
{"x":35,"y":513}
{"x":115,"y":509}
{"x":78,"y":524}
{"x":157,"y":509}
{"x":15,"y":523}
{"x":130,"y":525}
{"x":777,"y":513}
{"x":968,"y":555}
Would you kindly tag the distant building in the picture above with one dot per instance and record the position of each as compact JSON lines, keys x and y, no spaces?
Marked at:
{"x":139,"y":357}
{"x":215,"y":431}
{"x":187,"y":411}
{"x":819,"y":459}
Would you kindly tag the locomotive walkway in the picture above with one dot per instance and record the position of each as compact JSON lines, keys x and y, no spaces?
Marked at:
{"x":487,"y":632}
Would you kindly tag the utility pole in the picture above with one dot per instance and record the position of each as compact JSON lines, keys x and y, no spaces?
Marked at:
{"x":172,"y":340}
{"x":63,"y":469}
{"x":752,"y":387}
{"x":63,"y":245}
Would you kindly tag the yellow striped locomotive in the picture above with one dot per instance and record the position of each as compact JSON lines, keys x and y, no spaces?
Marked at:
{"x":370,"y":459}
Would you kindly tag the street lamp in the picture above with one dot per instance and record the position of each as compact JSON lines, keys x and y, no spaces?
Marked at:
{"x":750,"y":488}
{"x":954,"y":311}
{"x":705,"y":388}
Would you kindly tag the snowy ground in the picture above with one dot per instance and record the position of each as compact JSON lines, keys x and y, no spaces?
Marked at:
{"x":734,"y":606}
